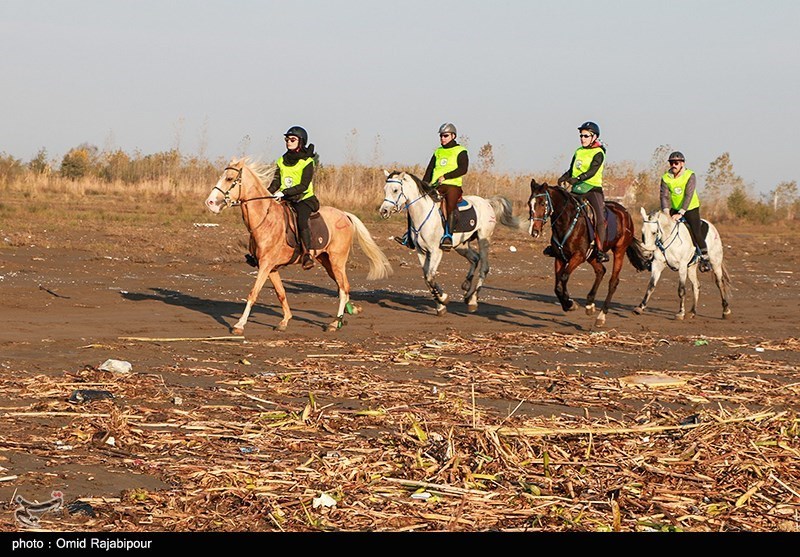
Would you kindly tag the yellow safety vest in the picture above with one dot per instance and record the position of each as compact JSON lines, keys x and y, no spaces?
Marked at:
{"x":677,"y":189}
{"x":447,"y":161}
{"x":583,"y":158}
{"x":293,"y":175}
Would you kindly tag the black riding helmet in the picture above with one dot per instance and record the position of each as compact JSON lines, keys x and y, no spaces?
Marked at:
{"x":591,"y":127}
{"x":676,"y":156}
{"x":299,"y":133}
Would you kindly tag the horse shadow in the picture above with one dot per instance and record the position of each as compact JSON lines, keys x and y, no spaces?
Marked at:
{"x":225,"y":312}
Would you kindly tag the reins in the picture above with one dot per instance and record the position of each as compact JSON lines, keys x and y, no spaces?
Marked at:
{"x":673,"y":236}
{"x":237,"y":182}
{"x":549,"y":209}
{"x":396,"y":203}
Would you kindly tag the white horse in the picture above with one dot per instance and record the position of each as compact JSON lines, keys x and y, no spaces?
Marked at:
{"x":671,"y":244}
{"x":476,"y":222}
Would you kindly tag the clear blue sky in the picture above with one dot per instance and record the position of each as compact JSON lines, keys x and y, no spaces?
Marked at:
{"x":225,"y":78}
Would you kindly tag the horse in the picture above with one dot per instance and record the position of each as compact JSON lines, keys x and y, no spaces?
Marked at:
{"x":274,"y":241}
{"x":573,"y":238}
{"x":477,"y":218}
{"x":671,"y":244}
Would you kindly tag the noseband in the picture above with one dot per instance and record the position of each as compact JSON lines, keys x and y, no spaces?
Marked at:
{"x":236,"y":182}
{"x":548,"y":208}
{"x":396,"y":202}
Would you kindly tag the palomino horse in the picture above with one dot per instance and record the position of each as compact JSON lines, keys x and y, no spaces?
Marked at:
{"x":477,"y":218}
{"x":573,"y":237}
{"x":672,"y":246}
{"x":274,"y":241}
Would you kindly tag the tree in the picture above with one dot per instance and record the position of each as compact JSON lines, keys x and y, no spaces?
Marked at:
{"x":486,"y":158}
{"x":75,"y":164}
{"x":784,"y":198}
{"x":39,"y":163}
{"x":721,"y":180}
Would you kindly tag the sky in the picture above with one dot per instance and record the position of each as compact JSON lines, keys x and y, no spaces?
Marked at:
{"x":372,"y":81}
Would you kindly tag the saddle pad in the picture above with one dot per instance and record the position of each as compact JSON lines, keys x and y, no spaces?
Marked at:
{"x":466,"y":220}
{"x":320,"y":236}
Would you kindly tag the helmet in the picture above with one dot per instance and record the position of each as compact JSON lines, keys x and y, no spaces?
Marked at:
{"x":590,"y":126}
{"x":448,"y":128}
{"x":299,"y":133}
{"x":676,"y":156}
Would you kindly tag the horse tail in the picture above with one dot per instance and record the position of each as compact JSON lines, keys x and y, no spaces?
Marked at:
{"x":504,"y":211}
{"x":639,"y":257}
{"x":379,"y":266}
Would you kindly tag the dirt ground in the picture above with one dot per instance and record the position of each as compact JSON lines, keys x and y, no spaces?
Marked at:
{"x":170,"y":450}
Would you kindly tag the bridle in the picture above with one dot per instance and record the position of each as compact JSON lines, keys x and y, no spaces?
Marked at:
{"x":662,"y":247}
{"x":549,"y":209}
{"x":409,"y":203}
{"x":226,"y":197}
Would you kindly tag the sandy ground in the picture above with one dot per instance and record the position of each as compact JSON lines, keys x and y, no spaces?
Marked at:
{"x":70,"y":303}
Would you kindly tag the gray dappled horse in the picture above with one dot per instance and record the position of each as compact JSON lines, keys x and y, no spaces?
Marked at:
{"x":672,"y":246}
{"x":477,"y":218}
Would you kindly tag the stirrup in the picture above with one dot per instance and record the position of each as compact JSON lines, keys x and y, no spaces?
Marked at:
{"x":447,"y":242}
{"x":250,"y":260}
{"x":549,"y":251}
{"x":405,"y":240}
{"x":704,"y":265}
{"x":600,"y":256}
{"x":308,"y":261}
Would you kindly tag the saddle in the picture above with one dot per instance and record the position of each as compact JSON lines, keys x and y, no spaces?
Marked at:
{"x":320,"y":235}
{"x":591,"y":220}
{"x":466,"y":218}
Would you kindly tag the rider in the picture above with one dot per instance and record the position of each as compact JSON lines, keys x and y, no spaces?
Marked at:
{"x":679,"y":199}
{"x":293,"y":181}
{"x":445,"y":172}
{"x":585,"y":175}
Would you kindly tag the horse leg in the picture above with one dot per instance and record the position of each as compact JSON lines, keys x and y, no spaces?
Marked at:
{"x":430,"y":263}
{"x":613,"y":282}
{"x":656,"y":268}
{"x":692,"y":274}
{"x":264,"y":271}
{"x":337,"y":272}
{"x":682,"y":272}
{"x":722,"y":284}
{"x":483,"y":256}
{"x":562,"y":272}
{"x":472,"y":256}
{"x":599,"y":273}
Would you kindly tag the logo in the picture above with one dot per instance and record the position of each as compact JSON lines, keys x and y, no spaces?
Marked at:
{"x":288,"y":182}
{"x":678,"y":191}
{"x":443,"y":162}
{"x":579,"y":164}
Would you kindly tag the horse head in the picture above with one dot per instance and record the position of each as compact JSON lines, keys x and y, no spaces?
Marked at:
{"x":228,"y":189}
{"x":241,"y":181}
{"x":652,"y":226}
{"x":540,"y":206}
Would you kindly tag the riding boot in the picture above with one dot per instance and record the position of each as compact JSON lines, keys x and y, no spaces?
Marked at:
{"x":447,"y":239}
{"x":600,"y":240}
{"x":549,"y":251}
{"x":704,"y":263}
{"x":307,"y":260}
{"x":250,"y":260}
{"x":406,"y":239}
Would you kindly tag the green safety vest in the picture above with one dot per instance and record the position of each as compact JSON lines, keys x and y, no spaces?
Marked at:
{"x":292,"y":175}
{"x":677,"y":189}
{"x":447,"y":161}
{"x":583,"y":158}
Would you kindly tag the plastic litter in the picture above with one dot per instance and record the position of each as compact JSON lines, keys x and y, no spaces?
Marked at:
{"x":116,"y":366}
{"x":81,"y":507}
{"x":88,"y":395}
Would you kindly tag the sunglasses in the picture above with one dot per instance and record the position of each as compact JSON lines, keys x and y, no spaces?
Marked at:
{"x":445,"y":134}
{"x":291,"y":139}
{"x":675,"y":163}
{"x":585,"y":135}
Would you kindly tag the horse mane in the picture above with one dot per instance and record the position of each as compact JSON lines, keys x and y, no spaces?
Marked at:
{"x":424,"y":187}
{"x":262,"y":170}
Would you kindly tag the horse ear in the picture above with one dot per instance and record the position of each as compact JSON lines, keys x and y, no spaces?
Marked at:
{"x":386,"y":172}
{"x":644,"y":213}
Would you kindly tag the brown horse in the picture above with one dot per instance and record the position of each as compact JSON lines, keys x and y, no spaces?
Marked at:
{"x":573,"y":238}
{"x":274,"y":242}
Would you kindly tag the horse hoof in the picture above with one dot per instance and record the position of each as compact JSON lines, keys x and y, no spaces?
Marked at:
{"x":600,"y":321}
{"x":281,"y":326}
{"x":332,"y":327}
{"x":571,"y":307}
{"x":441,"y":311}
{"x":237,"y":332}
{"x":467,"y":283}
{"x":590,"y":310}
{"x":472,"y":308}
{"x":355,"y":310}
{"x":726,"y":314}
{"x":638,"y":310}
{"x":679,"y":317}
